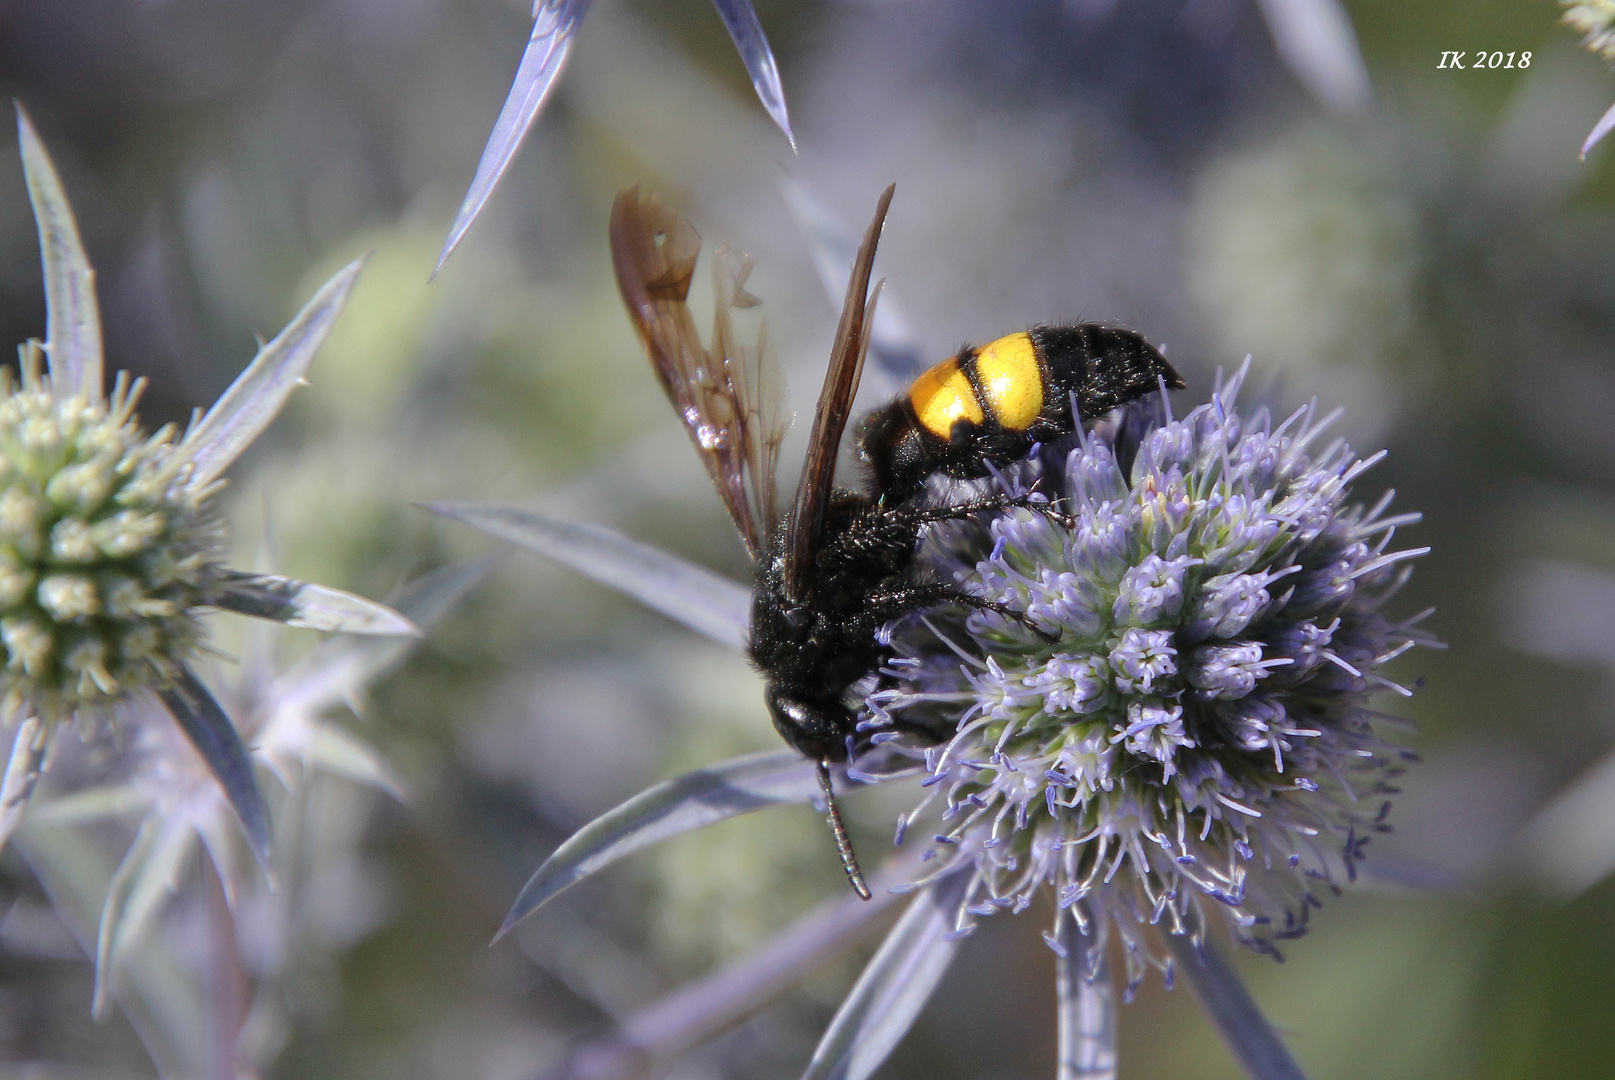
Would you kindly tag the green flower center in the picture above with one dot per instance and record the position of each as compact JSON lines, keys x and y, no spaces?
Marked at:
{"x":104,"y":551}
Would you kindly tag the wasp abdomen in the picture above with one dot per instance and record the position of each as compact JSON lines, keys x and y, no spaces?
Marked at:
{"x":987,"y":405}
{"x":998,"y":385}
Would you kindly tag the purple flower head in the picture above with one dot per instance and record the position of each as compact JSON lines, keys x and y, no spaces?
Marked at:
{"x":1191,"y":732}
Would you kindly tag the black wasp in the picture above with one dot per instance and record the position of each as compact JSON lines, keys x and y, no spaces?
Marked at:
{"x":839,"y":564}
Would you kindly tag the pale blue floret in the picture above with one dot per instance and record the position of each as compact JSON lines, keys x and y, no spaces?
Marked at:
{"x":1227,"y":604}
{"x":1144,"y":660}
{"x":1303,"y":643}
{"x":1152,"y":591}
{"x":1154,"y":730}
{"x":1071,"y":684}
{"x":1104,"y":542}
{"x":1068,"y":601}
{"x":1094,"y":477}
{"x":1226,"y":670}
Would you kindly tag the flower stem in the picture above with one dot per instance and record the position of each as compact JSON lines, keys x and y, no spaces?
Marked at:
{"x":1247,"y":1032}
{"x":1087,"y":1003}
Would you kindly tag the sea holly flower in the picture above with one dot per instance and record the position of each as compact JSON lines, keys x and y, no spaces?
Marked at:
{"x":1183,"y":730}
{"x":1231,"y":765}
{"x":167,"y":794}
{"x":109,"y":546}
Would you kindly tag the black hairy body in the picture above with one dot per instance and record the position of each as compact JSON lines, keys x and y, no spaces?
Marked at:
{"x":864,"y":577}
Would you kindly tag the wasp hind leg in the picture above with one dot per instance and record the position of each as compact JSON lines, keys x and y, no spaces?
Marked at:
{"x":885,"y":530}
{"x":888,"y":604}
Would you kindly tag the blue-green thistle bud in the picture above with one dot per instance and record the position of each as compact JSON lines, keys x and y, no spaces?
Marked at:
{"x":1182,"y":715}
{"x":105,"y":550}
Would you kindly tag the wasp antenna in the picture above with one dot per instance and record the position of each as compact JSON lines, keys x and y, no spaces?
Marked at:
{"x":849,"y":861}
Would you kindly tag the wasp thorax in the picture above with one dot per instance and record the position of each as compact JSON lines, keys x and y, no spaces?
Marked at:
{"x":104,"y":550}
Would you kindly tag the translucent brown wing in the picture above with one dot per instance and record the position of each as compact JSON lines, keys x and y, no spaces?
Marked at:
{"x":729,"y":396}
{"x":830,"y":419}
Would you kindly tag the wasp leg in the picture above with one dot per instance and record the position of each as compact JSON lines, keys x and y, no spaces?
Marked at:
{"x":887,"y":603}
{"x":890,"y":536}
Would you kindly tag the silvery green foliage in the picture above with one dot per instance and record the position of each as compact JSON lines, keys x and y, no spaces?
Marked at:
{"x":1181,"y":722}
{"x":109,"y":547}
{"x":555,"y":27}
{"x":169,"y":802}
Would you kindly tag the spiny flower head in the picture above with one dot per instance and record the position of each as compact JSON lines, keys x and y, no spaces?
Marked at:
{"x":1595,"y":19}
{"x":107,"y":546}
{"x":1182,"y":713}
{"x":104,"y":550}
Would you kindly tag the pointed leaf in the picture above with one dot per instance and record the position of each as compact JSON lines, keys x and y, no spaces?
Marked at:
{"x":312,"y":607}
{"x":892,"y":990}
{"x":145,"y":879}
{"x":116,"y":895}
{"x":72,"y":317}
{"x":833,"y":247}
{"x":152,"y":991}
{"x":208,"y":727}
{"x":698,"y":598}
{"x":747,"y":34}
{"x":692,"y":801}
{"x":258,"y":393}
{"x":1316,"y":41}
{"x":720,"y":999}
{"x":1233,"y":1011}
{"x":1087,"y":1007}
{"x":554,"y":24}
{"x":91,"y":804}
{"x":1569,"y":845}
{"x":339,"y":669}
{"x":1600,"y":129}
{"x":217,"y":835}
{"x":22,"y":773}
{"x":334,"y":750}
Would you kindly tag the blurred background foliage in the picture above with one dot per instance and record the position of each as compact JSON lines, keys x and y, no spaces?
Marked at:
{"x":1444,"y":268}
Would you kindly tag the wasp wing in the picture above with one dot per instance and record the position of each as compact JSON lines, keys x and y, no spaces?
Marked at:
{"x":806,"y":522}
{"x":757,"y":393}
{"x":729,"y":397}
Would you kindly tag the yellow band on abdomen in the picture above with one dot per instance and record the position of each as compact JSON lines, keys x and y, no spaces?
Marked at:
{"x":1011,"y":381}
{"x":943,"y":396}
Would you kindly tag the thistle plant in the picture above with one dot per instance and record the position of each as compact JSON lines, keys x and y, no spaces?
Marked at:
{"x":170,"y":808}
{"x":1179,"y":723}
{"x":109,"y":547}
